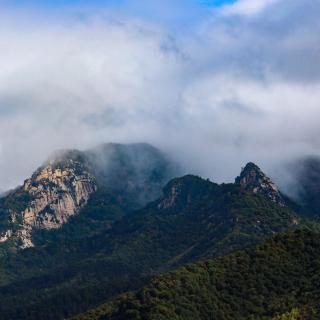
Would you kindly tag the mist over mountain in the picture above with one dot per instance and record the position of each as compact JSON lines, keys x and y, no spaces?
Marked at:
{"x":140,"y":169}
{"x":213,"y":86}
{"x":186,"y":178}
{"x":131,"y":175}
{"x":302,"y":183}
{"x":87,"y":226}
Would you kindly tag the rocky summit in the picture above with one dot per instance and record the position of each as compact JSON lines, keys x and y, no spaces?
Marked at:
{"x":254,"y":180}
{"x":132,"y":174}
{"x":55,"y":192}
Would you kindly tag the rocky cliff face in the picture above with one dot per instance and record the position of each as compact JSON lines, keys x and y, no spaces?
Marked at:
{"x":132,"y":175}
{"x":56,"y":192}
{"x":254,"y":180}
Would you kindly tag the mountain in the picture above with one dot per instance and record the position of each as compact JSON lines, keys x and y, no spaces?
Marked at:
{"x":132,"y":174}
{"x":276,"y":280}
{"x":305,"y":184}
{"x":53,"y":194}
{"x":95,"y":256}
{"x":203,"y":219}
{"x":254,"y":180}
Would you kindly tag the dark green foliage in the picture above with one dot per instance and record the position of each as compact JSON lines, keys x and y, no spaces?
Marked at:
{"x":280,"y":277}
{"x":101,"y":211}
{"x":15,"y":201}
{"x":105,"y":251}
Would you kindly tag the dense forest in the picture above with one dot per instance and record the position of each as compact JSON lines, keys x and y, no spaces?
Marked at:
{"x":276,"y":280}
{"x":104,"y":250}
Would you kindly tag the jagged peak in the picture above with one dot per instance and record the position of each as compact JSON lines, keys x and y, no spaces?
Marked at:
{"x":251,"y":166}
{"x":253,"y":179}
{"x":251,"y":174}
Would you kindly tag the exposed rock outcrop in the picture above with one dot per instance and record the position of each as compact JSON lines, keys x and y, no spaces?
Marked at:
{"x":254,"y":180}
{"x":132,"y":175}
{"x":171,"y":196}
{"x":57,"y":194}
{"x":56,"y":191}
{"x":5,"y":236}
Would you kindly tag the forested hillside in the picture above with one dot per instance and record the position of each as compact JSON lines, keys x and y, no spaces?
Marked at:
{"x":276,"y":280}
{"x":89,"y":260}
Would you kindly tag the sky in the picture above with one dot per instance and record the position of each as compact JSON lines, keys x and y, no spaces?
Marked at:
{"x":213,"y":83}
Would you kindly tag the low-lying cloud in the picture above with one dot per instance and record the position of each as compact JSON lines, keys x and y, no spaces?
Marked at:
{"x":228,"y":85}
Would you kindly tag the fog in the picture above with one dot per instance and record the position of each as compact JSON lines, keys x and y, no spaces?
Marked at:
{"x":214,"y":87}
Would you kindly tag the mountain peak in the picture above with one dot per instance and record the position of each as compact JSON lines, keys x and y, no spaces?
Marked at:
{"x":253,"y":179}
{"x":251,"y":166}
{"x":250,"y":175}
{"x":132,"y":174}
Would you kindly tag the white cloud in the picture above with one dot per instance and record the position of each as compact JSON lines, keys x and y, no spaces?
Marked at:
{"x":224,"y":91}
{"x":246,"y":7}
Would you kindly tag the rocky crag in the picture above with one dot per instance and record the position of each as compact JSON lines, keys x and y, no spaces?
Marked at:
{"x":252,"y":179}
{"x":55,"y":192}
{"x":132,"y":174}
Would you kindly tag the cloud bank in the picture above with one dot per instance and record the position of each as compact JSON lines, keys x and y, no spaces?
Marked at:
{"x":215,"y":88}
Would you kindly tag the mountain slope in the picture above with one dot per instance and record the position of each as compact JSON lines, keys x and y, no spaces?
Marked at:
{"x":276,"y":280}
{"x":131,"y":175}
{"x":194,"y":219}
{"x":202,"y":219}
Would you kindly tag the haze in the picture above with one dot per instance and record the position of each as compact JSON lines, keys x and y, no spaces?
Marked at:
{"x":214,"y":84}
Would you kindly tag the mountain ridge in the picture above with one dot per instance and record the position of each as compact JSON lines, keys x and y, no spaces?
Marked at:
{"x":203,"y":221}
{"x":118,"y":240}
